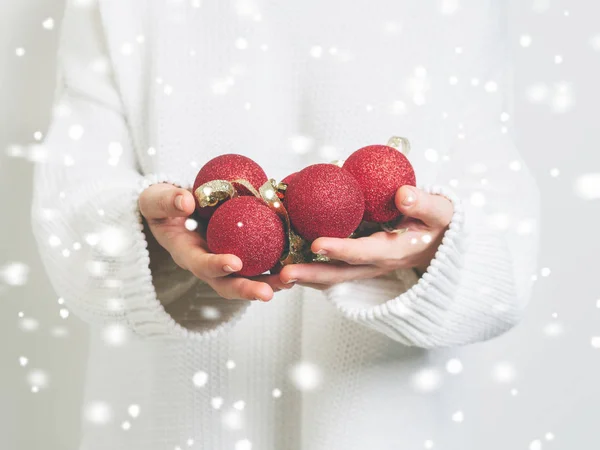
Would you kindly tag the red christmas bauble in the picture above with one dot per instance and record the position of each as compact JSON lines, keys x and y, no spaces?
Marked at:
{"x":324,"y":200}
{"x":381,"y":171}
{"x":287,"y":179}
{"x":248,"y":228}
{"x":229,"y":167}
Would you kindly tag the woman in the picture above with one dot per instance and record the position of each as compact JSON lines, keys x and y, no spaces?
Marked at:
{"x":180,"y":353}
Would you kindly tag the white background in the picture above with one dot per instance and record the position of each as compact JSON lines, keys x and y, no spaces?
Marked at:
{"x":549,"y":359}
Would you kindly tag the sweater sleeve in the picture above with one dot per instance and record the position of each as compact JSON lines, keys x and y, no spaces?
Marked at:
{"x":479,"y":281}
{"x":85,"y":208}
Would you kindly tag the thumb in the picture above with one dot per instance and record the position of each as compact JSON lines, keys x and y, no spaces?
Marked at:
{"x":433,"y":210}
{"x":160,"y":201}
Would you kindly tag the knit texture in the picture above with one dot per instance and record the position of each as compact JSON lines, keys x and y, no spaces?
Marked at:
{"x":149,"y":93}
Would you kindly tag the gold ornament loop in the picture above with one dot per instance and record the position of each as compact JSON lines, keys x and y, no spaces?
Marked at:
{"x":295,"y":246}
{"x":399,"y":143}
{"x":215,"y":191}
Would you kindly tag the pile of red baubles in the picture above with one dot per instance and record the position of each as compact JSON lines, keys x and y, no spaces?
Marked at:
{"x":322,"y":200}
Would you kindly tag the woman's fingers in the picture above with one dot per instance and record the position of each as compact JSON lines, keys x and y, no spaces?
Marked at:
{"x":188,"y":250}
{"x":161,"y":201}
{"x":366,"y":250}
{"x":242,"y":288}
{"x":273,"y":280}
{"x":326,"y":273}
{"x":208,"y":265}
{"x":434,"y":210}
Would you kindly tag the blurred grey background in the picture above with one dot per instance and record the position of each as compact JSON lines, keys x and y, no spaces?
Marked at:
{"x":541,"y":382}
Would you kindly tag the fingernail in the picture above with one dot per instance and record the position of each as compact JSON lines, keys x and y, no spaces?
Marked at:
{"x":291,"y":281}
{"x":260,"y":299}
{"x":288,"y":285}
{"x":322,"y":252}
{"x":228,"y":268}
{"x":409,"y":199}
{"x":179,"y":202}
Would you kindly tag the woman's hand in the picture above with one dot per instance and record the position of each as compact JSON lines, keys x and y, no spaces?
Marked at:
{"x":166,"y":208}
{"x":426,"y":218}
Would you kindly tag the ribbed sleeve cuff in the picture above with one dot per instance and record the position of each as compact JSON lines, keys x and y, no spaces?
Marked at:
{"x":466,"y":295}
{"x":144,"y":312}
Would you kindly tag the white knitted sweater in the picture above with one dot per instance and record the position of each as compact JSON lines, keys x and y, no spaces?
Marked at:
{"x":150,"y":90}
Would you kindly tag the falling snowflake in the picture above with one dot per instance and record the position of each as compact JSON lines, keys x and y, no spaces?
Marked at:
{"x":14,"y":274}
{"x":38,"y":379}
{"x":538,"y":93}
{"x":540,"y":6}
{"x":28,"y":324}
{"x":525,"y":41}
{"x":431,"y":155}
{"x":244,"y":444}
{"x":503,"y":372}
{"x":305,"y":376}
{"x":98,"y":413}
{"x":449,"y":7}
{"x":458,"y":417}
{"x":301,"y":144}
{"x":454,"y":366}
{"x":563,"y":98}
{"x":241,"y":43}
{"x":210,"y":313}
{"x":133,"y":410}
{"x":587,"y":186}
{"x":553,"y":329}
{"x":427,"y":380}
{"x":48,"y":24}
{"x":59,"y":332}
{"x":535,"y":445}
{"x":200,"y":379}
{"x":239,"y":405}
{"x":115,"y":335}
{"x":316,"y":51}
{"x":216,"y":402}
{"x":232,"y":420}
{"x":114,"y":241}
{"x":76,"y":132}
{"x":477,"y":199}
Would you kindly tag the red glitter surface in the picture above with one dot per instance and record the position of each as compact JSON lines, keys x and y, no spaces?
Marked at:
{"x":229,"y":167}
{"x":287,"y":179}
{"x":381,"y":171}
{"x":259,"y":241}
{"x":324,"y":200}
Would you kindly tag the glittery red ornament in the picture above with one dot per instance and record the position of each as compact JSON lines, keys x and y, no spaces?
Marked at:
{"x":287,"y":179}
{"x":324,"y":200}
{"x":229,"y":167}
{"x":381,"y":171}
{"x":248,"y":228}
